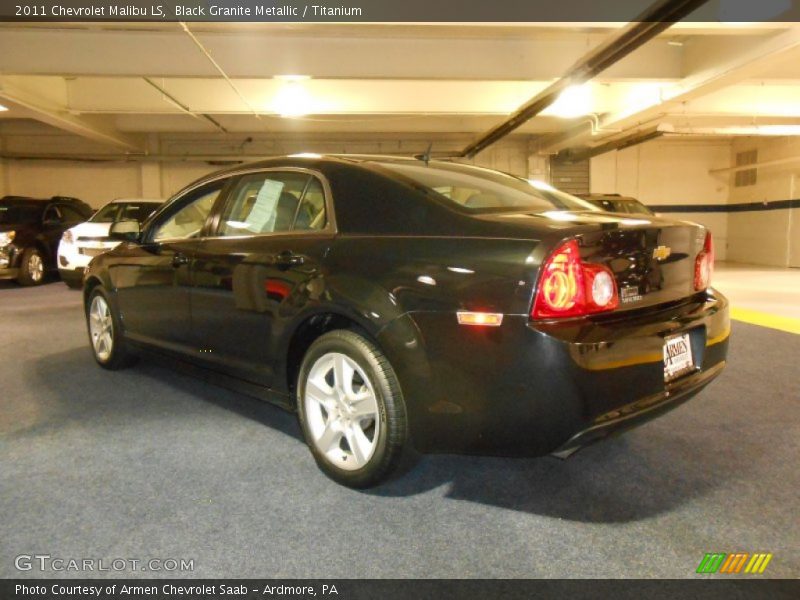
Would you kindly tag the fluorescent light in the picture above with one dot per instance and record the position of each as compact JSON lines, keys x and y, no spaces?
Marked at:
{"x":2,"y":108}
{"x":292,"y":77}
{"x":292,"y":99}
{"x":575,"y":101}
{"x":753,"y":130}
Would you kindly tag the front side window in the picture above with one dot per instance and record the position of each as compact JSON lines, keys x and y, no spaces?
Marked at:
{"x":52,"y":214}
{"x":71,"y":215}
{"x":274,"y":202}
{"x":107,"y":214}
{"x":189,"y":220}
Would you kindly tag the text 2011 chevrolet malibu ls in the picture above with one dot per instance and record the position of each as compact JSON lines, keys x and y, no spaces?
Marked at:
{"x":402,"y":305}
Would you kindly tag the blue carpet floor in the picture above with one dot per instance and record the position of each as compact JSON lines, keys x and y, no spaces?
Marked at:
{"x":148,"y":463}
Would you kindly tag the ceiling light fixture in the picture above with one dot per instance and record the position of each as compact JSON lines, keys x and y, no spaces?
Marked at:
{"x":575,"y":101}
{"x":292,"y":99}
{"x":2,"y":108}
{"x":734,"y":130}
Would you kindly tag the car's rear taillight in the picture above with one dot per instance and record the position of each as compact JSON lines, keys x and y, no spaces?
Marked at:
{"x":568,"y":287}
{"x":704,"y":265}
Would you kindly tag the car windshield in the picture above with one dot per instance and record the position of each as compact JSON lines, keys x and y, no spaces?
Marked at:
{"x":484,"y":190}
{"x":122,"y":211}
{"x":20,"y":212}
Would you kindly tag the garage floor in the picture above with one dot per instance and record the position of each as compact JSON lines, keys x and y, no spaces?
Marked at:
{"x":149,"y":463}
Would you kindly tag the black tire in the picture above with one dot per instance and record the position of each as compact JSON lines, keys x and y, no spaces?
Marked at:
{"x":120,"y":356}
{"x":28,"y":275}
{"x":392,"y":449}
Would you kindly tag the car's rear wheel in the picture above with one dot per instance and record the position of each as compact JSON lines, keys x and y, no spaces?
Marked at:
{"x":32,"y":267}
{"x":351,"y":409}
{"x":108,"y":346}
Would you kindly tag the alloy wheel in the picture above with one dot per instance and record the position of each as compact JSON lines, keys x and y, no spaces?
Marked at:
{"x":341,"y":411}
{"x":101,"y":328}
{"x":36,"y":267}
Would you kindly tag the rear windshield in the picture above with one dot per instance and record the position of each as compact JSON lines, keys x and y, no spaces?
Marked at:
{"x":483,"y":190}
{"x":11,"y":213}
{"x":123,"y":211}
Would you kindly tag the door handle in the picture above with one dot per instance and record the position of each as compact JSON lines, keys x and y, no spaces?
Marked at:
{"x":287,"y":259}
{"x":179,"y":259}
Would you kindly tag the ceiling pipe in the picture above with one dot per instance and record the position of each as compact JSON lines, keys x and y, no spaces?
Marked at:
{"x":581,"y":154}
{"x":659,"y":17}
{"x":221,"y":71}
{"x":180,"y":106}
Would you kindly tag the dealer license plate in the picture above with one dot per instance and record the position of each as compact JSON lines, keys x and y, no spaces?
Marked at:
{"x":677,"y":356}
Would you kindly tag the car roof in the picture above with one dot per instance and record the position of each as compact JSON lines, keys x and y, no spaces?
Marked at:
{"x":129,"y":200}
{"x":310,"y":159}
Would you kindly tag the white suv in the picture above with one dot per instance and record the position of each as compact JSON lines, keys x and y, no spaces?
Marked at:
{"x":85,"y":241}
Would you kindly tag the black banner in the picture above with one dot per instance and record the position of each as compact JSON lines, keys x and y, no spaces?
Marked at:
{"x":339,"y":11}
{"x":389,"y":589}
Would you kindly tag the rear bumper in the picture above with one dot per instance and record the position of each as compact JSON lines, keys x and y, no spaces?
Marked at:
{"x":535,"y":388}
{"x":639,"y":412}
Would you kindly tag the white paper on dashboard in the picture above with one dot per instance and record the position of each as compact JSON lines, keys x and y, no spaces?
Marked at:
{"x":265,"y":208}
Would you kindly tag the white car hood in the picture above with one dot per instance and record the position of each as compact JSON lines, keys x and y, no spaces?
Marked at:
{"x":93,"y":230}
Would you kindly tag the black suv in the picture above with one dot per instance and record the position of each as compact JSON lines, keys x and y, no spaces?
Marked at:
{"x":30,"y":230}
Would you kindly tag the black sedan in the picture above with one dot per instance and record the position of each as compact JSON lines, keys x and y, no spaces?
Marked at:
{"x":400,"y":305}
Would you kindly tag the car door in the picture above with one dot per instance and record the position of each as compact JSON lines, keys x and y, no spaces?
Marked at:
{"x":152,"y":278}
{"x":53,"y":226}
{"x":259,"y":268}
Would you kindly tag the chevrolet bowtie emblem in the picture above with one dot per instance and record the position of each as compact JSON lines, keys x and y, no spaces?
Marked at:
{"x":662,"y":252}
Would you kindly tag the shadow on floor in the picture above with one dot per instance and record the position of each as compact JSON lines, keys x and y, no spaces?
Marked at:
{"x":646,"y":472}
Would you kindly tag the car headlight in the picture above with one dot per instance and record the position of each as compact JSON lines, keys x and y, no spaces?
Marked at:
{"x":67,"y":237}
{"x":6,"y":237}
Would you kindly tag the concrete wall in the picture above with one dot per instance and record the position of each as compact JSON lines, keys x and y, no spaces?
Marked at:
{"x":670,"y":172}
{"x":767,"y":237}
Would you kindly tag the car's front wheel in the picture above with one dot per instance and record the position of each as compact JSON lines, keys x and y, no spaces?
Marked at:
{"x":351,"y":409}
{"x":32,"y":268}
{"x":105,"y":335}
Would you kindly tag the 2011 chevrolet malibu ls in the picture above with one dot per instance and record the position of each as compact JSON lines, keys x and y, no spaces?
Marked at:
{"x":403,"y":305}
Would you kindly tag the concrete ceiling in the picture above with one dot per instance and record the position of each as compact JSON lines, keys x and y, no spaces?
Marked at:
{"x":125,"y":86}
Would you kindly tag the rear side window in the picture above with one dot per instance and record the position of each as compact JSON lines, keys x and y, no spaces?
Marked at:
{"x":273,"y":202}
{"x":483,"y":190}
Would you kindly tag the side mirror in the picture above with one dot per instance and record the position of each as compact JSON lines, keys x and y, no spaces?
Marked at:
{"x":128,"y":230}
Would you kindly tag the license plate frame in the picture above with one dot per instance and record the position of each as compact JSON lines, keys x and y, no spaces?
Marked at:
{"x":678,"y":356}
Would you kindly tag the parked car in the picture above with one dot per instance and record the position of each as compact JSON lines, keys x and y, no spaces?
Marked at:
{"x":617,"y":204}
{"x":30,"y":229}
{"x":83,"y":242}
{"x":398,"y":304}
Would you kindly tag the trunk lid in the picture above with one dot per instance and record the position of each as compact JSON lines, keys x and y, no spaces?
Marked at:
{"x":652,"y":264}
{"x":652,"y":258}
